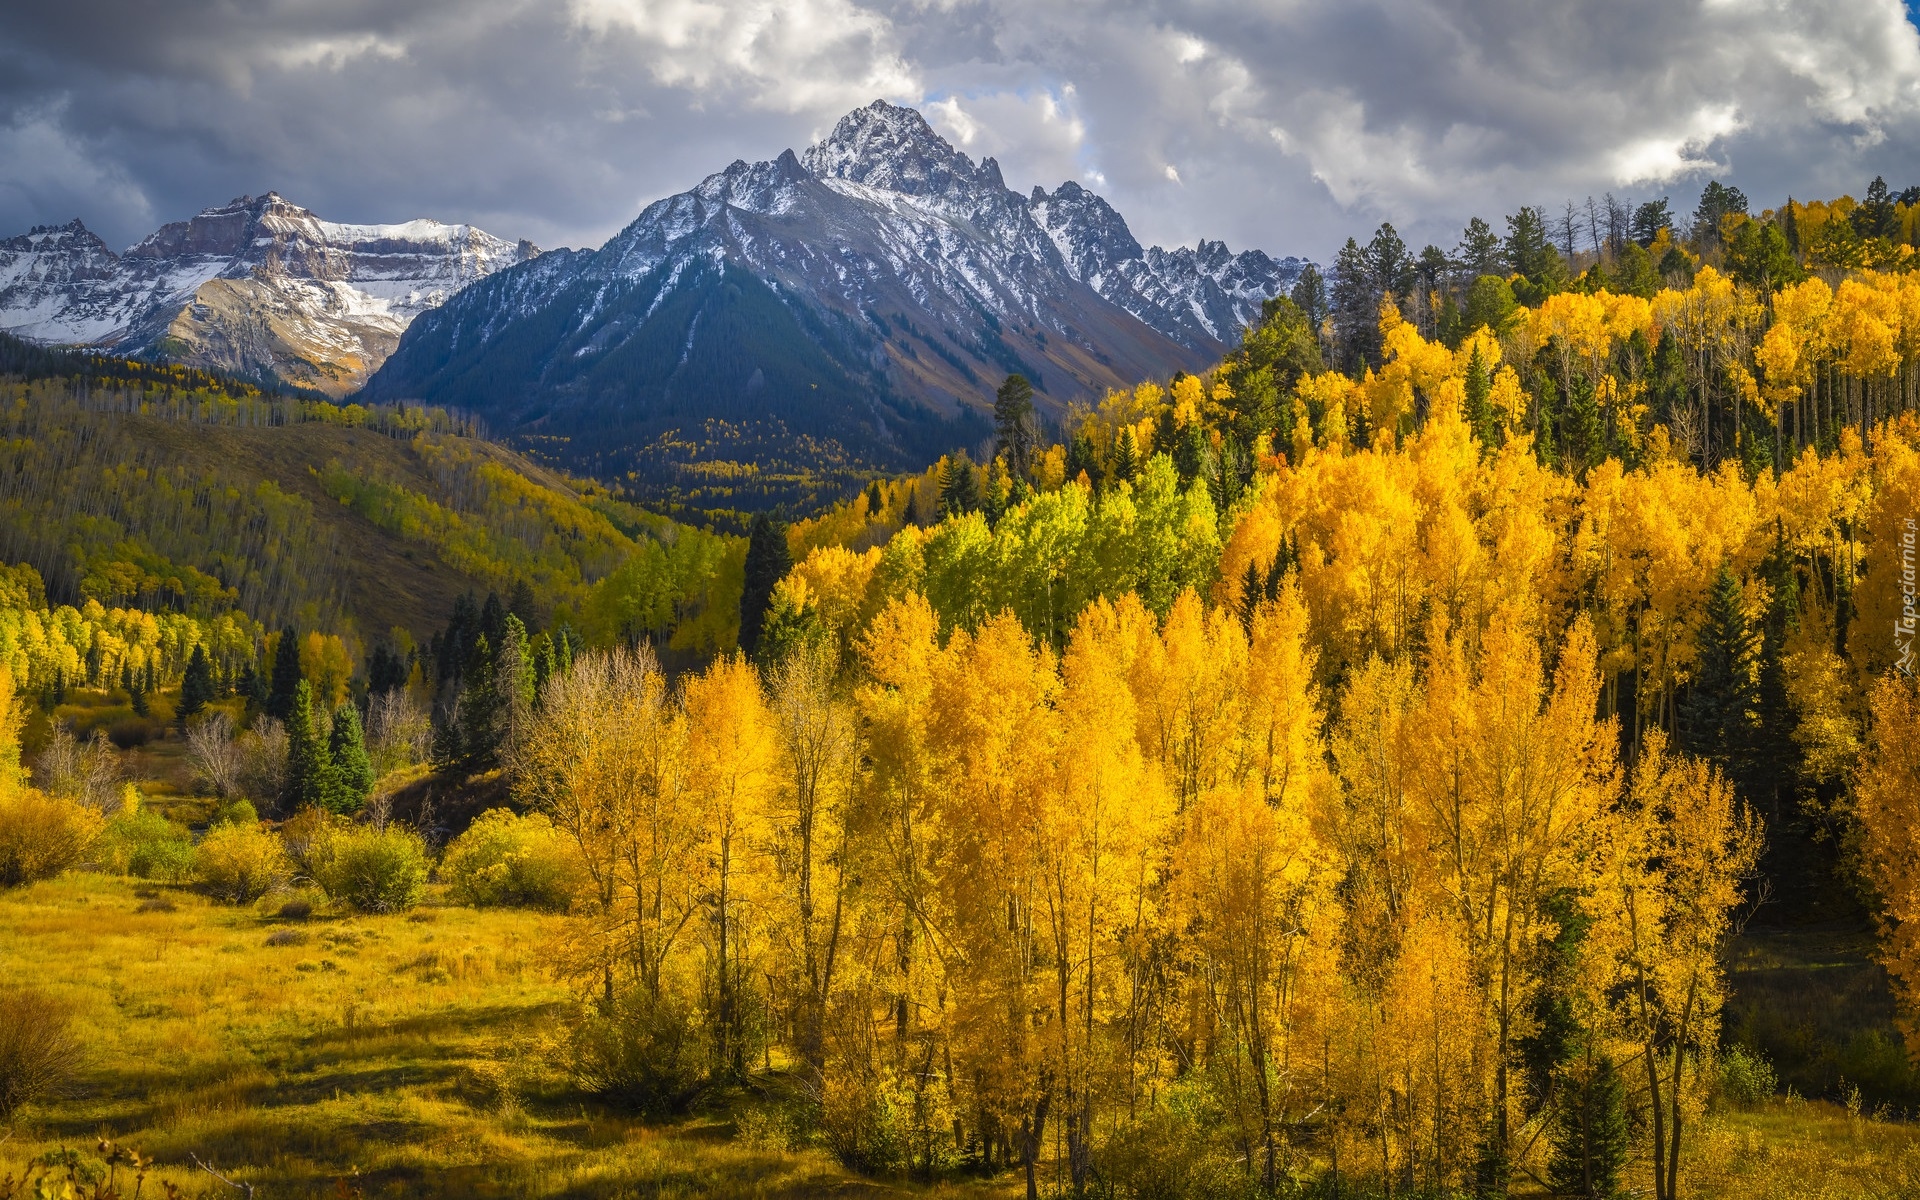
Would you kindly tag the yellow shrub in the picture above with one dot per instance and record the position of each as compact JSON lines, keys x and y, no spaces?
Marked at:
{"x":505,"y":859}
{"x":373,"y":870}
{"x":241,"y":863}
{"x":41,"y":836}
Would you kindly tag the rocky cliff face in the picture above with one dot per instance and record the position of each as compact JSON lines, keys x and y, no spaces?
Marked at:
{"x":868,"y":295}
{"x":259,"y":286}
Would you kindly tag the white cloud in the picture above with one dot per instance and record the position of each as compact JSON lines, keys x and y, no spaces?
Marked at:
{"x":1038,"y":136}
{"x":1292,"y":125}
{"x":48,"y":173}
{"x":787,"y":55}
{"x":335,"y":53}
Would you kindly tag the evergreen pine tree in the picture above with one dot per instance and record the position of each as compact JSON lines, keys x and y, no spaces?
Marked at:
{"x":1013,"y":429}
{"x":543,"y":664}
{"x":253,"y":686}
{"x":1191,"y":454}
{"x":1587,"y":1136}
{"x":1479,"y":409}
{"x":960,"y":493}
{"x":450,"y":648}
{"x":1717,"y":713}
{"x":310,"y":782}
{"x":286,"y":675}
{"x":768,"y":561}
{"x":513,"y":682}
{"x":520,"y":604}
{"x":493,"y":618}
{"x":1583,"y":435}
{"x":137,"y":692}
{"x":196,"y":686}
{"x":1252,"y":591}
{"x":1126,"y":456}
{"x":563,"y":650}
{"x":352,"y":770}
{"x":477,"y":714}
{"x":386,"y":670}
{"x":1082,"y":459}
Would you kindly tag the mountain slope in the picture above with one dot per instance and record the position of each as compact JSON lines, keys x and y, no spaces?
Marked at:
{"x":851,"y":308}
{"x":258,"y":286}
{"x":153,"y":486}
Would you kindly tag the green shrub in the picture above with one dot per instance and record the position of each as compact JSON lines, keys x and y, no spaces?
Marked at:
{"x":647,"y":1052}
{"x":373,"y":870}
{"x":146,"y":845}
{"x":241,"y":863}
{"x":1169,"y":1155}
{"x":511,"y":860}
{"x":235,"y":812}
{"x":1746,"y":1078}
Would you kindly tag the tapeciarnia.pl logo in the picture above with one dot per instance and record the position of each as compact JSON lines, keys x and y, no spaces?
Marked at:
{"x":1909,"y":619}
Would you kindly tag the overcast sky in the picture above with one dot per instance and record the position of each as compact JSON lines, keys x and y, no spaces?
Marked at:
{"x":1282,"y":124}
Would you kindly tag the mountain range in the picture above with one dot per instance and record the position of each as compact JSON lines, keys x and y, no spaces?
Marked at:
{"x":257,"y":286}
{"x":854,"y":305}
{"x":821,"y":315}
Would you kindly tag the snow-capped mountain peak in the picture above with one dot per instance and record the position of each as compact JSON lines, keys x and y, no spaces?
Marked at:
{"x":894,"y":149}
{"x":258,"y":285}
{"x":869,"y":292}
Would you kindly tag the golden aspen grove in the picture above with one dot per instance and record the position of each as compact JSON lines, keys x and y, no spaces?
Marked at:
{"x":1298,"y":778}
{"x":1356,"y":770}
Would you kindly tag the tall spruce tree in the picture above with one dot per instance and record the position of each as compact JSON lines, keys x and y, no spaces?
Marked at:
{"x":493,"y":618}
{"x":476,"y":726}
{"x":286,"y":675}
{"x":1479,"y":408}
{"x":387,"y":670}
{"x":1718,"y":711}
{"x":520,"y":603}
{"x":768,"y":561}
{"x":310,"y":780}
{"x":960,"y":487}
{"x":352,"y":770}
{"x":1013,"y":429}
{"x":1126,"y":456}
{"x":196,"y":686}
{"x":1587,"y":1133}
{"x":514,"y":682}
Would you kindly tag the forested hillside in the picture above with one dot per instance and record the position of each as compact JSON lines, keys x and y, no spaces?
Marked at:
{"x":159,"y":488}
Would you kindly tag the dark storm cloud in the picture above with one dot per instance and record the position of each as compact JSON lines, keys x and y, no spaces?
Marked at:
{"x":1284,"y":125}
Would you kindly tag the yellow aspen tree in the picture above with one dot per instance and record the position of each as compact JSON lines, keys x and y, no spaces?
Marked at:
{"x":900,"y":652}
{"x":1103,"y":825}
{"x":1186,"y":687}
{"x":996,"y":732}
{"x":1670,"y":865}
{"x":733,"y":777}
{"x":1253,"y":875}
{"x":813,"y":827}
{"x":605,"y":761}
{"x":1887,"y":802}
{"x":1513,"y":773}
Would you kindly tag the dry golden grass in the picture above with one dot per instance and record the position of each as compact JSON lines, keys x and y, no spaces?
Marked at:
{"x":405,"y":1055}
{"x":373,"y":1048}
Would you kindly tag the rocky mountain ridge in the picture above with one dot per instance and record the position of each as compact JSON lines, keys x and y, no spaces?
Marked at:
{"x":259,"y":286}
{"x":862,"y":298}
